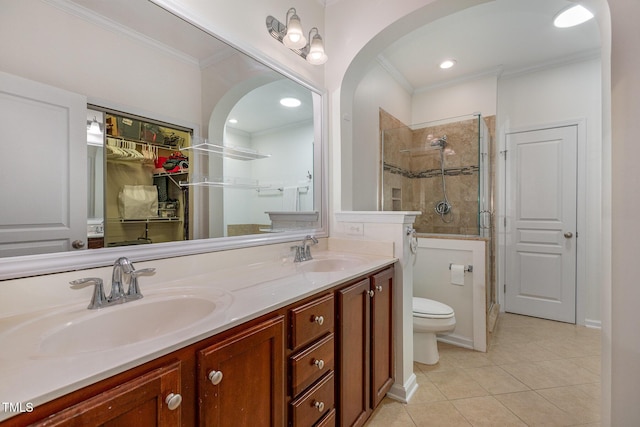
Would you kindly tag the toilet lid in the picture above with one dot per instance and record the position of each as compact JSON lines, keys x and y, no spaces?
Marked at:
{"x":423,"y":307}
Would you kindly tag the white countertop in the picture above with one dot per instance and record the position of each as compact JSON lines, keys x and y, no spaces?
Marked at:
{"x":245,"y":292}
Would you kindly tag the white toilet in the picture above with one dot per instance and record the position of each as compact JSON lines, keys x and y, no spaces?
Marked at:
{"x":429,"y":318}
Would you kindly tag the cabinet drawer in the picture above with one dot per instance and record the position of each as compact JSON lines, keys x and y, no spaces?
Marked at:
{"x":328,"y":420}
{"x":309,"y":407}
{"x":311,"y":363}
{"x":311,"y":320}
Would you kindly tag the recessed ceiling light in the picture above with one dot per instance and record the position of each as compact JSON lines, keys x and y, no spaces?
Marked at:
{"x":290,"y":102}
{"x":233,"y":121}
{"x":447,"y":63}
{"x":573,"y":16}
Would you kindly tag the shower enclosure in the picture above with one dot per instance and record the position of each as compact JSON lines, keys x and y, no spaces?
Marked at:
{"x":441,"y":169}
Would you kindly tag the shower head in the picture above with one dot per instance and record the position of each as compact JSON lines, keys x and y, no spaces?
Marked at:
{"x":439,"y":142}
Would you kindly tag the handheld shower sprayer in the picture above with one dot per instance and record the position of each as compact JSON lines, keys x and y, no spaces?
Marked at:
{"x":443,"y":207}
{"x":438,"y":142}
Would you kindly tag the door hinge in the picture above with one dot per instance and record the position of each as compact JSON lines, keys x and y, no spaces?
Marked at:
{"x":505,"y":288}
{"x":505,"y":222}
{"x":576,"y":234}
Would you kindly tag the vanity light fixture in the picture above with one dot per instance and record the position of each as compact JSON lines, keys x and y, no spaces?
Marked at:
{"x":447,"y":63}
{"x":316,"y":55}
{"x":94,"y":127}
{"x":575,"y":15}
{"x":291,"y":35}
{"x":294,"y":38}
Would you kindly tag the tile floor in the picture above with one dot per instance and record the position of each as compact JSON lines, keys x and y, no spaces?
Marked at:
{"x":536,"y":373}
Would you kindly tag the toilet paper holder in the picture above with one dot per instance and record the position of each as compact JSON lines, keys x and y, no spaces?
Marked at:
{"x":468,"y":268}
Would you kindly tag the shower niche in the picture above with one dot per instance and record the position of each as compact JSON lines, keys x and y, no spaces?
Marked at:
{"x":441,"y":169}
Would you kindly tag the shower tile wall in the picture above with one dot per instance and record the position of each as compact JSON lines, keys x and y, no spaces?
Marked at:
{"x":419,"y":178}
{"x":394,"y":179}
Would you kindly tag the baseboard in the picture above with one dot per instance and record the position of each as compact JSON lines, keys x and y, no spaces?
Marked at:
{"x":404,"y":393}
{"x":456,"y":340}
{"x":595,"y":324}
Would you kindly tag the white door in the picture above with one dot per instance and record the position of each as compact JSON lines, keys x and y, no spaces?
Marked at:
{"x":541,"y":223}
{"x":43,"y":172}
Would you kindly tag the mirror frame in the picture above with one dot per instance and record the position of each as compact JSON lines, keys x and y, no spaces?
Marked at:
{"x":58,"y":262}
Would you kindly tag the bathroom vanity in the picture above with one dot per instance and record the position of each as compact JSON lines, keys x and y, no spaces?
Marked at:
{"x":311,"y":346}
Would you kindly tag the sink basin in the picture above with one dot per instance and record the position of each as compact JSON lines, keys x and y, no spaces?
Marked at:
{"x":327,"y":265}
{"x":77,"y":330}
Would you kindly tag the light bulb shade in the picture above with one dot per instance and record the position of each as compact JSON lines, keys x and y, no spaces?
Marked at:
{"x":94,"y":127}
{"x":294,"y":39}
{"x":316,"y":55}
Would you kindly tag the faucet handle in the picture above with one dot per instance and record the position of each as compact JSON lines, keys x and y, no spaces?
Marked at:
{"x":134,"y":289}
{"x":98,"y":299}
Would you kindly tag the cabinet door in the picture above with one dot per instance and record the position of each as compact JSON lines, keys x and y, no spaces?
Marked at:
{"x":144,"y":401}
{"x":241,"y":379}
{"x":353,"y":359}
{"x":381,"y":335}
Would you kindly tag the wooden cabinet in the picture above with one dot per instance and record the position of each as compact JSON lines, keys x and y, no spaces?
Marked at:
{"x":152,"y":399}
{"x":382,"y":375}
{"x":325,"y":360}
{"x":311,"y":363}
{"x":353,"y":360}
{"x":365,"y":342}
{"x":241,"y":379}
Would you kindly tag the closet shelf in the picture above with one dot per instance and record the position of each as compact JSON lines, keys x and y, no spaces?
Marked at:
{"x":237,"y":153}
{"x":224,"y":182}
{"x":145,"y":220}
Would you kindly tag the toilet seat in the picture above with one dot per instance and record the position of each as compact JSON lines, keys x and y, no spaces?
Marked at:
{"x":430,"y":309}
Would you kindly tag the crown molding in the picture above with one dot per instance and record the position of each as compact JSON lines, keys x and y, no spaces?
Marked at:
{"x":111,"y":25}
{"x":585,"y":55}
{"x":395,"y":74}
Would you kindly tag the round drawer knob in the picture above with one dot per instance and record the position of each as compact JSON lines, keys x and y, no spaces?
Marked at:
{"x":371,"y":293}
{"x":379,"y":288}
{"x":215,"y":377}
{"x":319,"y":363}
{"x":319,"y":320}
{"x":319,"y":406}
{"x":173,"y":400}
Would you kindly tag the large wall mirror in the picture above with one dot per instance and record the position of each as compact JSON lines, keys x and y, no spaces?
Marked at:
{"x":76,"y":73}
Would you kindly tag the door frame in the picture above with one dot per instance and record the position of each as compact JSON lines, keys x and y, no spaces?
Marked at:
{"x":581,"y":210}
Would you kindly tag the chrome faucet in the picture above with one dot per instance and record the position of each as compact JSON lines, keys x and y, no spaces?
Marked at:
{"x":122,"y":269}
{"x":303,"y":251}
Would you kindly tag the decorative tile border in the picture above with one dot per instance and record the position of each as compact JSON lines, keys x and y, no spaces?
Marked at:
{"x":430,"y":173}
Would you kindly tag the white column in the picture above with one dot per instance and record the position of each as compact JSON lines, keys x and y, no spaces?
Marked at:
{"x":391,"y":227}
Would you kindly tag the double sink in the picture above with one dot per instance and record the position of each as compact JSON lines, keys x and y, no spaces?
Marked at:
{"x":164,"y":311}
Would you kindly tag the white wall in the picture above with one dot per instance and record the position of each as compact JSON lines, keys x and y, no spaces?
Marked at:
{"x":376,"y":90}
{"x":552,"y":96}
{"x":456,"y":99}
{"x":291,"y":152}
{"x":242,"y":24}
{"x":432,"y":280}
{"x":88,"y":59}
{"x":621,"y":340}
